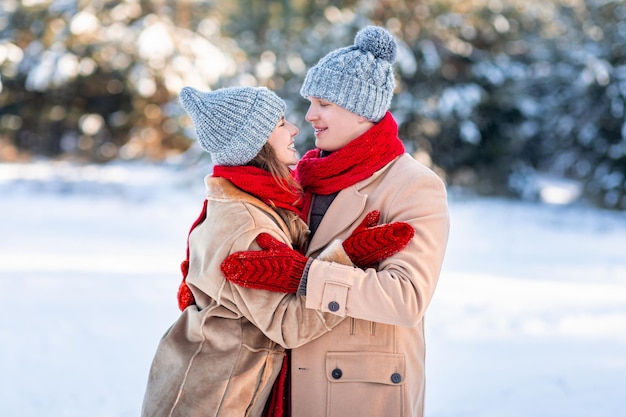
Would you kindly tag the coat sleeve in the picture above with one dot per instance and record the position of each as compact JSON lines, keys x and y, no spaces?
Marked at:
{"x":399,"y":292}
{"x":283,"y":318}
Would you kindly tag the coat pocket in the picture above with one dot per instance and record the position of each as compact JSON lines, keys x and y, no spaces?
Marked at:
{"x":365,"y":383}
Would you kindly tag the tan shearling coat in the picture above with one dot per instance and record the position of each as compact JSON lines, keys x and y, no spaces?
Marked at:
{"x":221,"y":357}
{"x":372,"y":365}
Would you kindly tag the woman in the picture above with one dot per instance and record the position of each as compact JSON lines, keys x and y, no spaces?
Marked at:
{"x":223,"y":354}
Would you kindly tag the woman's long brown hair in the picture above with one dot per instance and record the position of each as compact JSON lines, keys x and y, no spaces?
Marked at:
{"x":267,"y":160}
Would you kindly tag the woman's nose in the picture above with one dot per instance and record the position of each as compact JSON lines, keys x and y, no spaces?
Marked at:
{"x":293,"y":129}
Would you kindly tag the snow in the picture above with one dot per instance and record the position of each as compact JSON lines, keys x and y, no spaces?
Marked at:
{"x":529,"y":318}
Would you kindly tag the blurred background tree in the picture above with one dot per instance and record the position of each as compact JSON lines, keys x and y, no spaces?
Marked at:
{"x":503,"y":96}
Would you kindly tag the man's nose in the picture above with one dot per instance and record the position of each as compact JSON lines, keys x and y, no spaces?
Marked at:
{"x":310,"y":115}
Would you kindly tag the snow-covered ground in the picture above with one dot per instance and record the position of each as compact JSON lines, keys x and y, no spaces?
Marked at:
{"x":529,"y":318}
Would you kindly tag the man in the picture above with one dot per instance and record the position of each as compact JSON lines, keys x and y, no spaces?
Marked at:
{"x":372,"y":364}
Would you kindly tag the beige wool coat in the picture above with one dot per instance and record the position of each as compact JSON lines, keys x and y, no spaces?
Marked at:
{"x":372,"y":365}
{"x":221,"y":357}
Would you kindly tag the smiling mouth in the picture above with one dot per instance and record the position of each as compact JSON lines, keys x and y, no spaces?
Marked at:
{"x":320,"y":130}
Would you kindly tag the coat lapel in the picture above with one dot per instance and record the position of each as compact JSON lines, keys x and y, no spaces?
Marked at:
{"x":342,"y":213}
{"x":345,"y":210}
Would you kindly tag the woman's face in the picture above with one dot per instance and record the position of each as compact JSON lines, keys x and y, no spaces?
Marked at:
{"x":282,"y":141}
{"x":334,"y":126}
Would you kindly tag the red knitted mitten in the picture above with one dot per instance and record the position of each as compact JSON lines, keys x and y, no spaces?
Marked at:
{"x":185,"y":297}
{"x":276,"y":267}
{"x":369,"y":244}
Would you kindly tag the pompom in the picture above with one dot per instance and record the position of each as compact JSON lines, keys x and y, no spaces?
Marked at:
{"x":185,"y":297}
{"x":378,"y":41}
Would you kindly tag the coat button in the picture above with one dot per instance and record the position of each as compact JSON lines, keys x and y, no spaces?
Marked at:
{"x":396,"y":378}
{"x":333,"y":306}
{"x":336,"y":373}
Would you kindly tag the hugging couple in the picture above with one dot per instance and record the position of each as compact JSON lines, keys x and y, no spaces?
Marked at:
{"x":304,"y":290}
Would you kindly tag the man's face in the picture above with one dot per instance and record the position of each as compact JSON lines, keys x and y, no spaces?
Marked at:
{"x":334,"y":126}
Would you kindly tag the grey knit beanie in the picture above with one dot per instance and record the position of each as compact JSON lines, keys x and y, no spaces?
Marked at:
{"x":233,"y":124}
{"x":358,"y":78}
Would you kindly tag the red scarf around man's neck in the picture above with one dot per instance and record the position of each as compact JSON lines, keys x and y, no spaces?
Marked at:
{"x":355,"y":162}
{"x":262,"y":185}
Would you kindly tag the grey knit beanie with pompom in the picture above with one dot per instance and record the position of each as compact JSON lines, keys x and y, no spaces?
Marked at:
{"x":233,"y":124}
{"x":358,"y":78}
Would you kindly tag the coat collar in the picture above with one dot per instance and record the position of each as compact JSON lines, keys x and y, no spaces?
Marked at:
{"x":220,"y":189}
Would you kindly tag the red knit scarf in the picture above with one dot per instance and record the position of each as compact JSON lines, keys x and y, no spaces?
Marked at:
{"x":261,"y":184}
{"x":355,"y":162}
